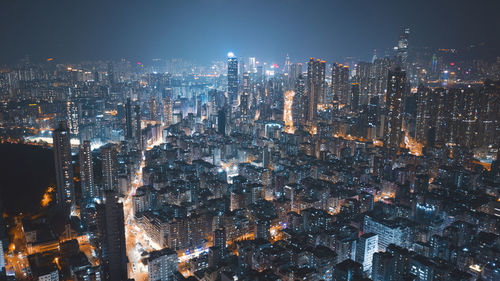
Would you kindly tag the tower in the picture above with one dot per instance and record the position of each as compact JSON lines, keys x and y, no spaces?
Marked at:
{"x":110,"y":224}
{"x":168,"y":110}
{"x":396,"y":86}
{"x":86,"y":173}
{"x":221,"y":121}
{"x":138,"y":128}
{"x":128,"y":120}
{"x":299,"y":102}
{"x":232,"y":77}
{"x":72,"y":115}
{"x":315,"y":86}
{"x":63,"y":166}
{"x":109,"y":167}
{"x":402,"y":48}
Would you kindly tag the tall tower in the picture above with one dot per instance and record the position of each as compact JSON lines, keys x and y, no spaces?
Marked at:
{"x":315,"y":86}
{"x":299,"y":102}
{"x":128,"y":120}
{"x":221,"y":121}
{"x":138,"y":127}
{"x":340,"y":83}
{"x":402,"y":48}
{"x":64,"y":168}
{"x":109,"y":167}
{"x":72,"y":115}
{"x":89,"y":190}
{"x":110,"y":225}
{"x":232,"y":77}
{"x":396,"y":86}
{"x":168,"y":110}
{"x":245,"y":96}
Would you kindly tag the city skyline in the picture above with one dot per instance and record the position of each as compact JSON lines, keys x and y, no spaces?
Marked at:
{"x":256,"y":140}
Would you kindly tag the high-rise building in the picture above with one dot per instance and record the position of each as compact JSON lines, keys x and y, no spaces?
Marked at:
{"x":355,"y":89}
{"x":220,"y":238}
{"x":396,"y":86}
{"x":400,"y":261}
{"x":110,"y":225}
{"x":221,"y":121}
{"x":340,"y":83}
{"x":315,"y":86}
{"x":402,"y":48}
{"x":138,"y":127}
{"x":245,"y":95}
{"x":364,"y":78}
{"x":382,"y":267}
{"x":128,"y":120}
{"x":168,"y":111}
{"x":299,"y":105}
{"x":162,"y":265}
{"x":424,"y":113}
{"x":89,"y":190}
{"x":252,"y":65}
{"x":380,"y":69}
{"x":109,"y":157}
{"x":63,"y":166}
{"x":72,"y":115}
{"x":232,"y":77}
{"x":366,"y":246}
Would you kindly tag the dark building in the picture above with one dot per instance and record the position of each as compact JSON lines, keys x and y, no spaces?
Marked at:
{"x":110,"y":224}
{"x":128,"y":120}
{"x":315,"y":86}
{"x":221,"y":121}
{"x":348,"y":270}
{"x":64,"y":167}
{"x":393,"y":131}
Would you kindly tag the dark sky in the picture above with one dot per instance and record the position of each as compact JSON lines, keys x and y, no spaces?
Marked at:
{"x":202,"y":30}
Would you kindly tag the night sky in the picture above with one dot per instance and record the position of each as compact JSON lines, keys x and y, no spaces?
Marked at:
{"x":203,"y":30}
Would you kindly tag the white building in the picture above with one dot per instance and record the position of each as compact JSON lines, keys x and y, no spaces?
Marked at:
{"x":366,"y":246}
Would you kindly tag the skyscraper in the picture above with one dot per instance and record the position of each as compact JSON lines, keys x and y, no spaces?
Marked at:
{"x":168,"y":111}
{"x":364,"y":75}
{"x":355,"y":89}
{"x":138,"y":127}
{"x":299,"y":105}
{"x":340,"y":83}
{"x":128,"y":120}
{"x":402,"y":48}
{"x":110,"y":224}
{"x":72,"y":115}
{"x":245,"y":95}
{"x":109,"y":167}
{"x":396,"y":86}
{"x":221,"y":121}
{"x":315,"y":86}
{"x":89,"y":190}
{"x":232,"y":77}
{"x":63,"y":166}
